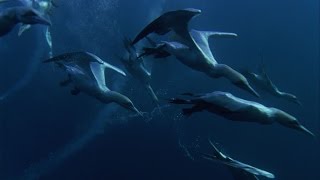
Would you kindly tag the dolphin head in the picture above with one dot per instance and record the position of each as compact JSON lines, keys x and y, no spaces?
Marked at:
{"x":28,"y":15}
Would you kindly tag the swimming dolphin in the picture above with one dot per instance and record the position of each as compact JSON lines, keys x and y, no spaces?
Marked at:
{"x":10,"y":17}
{"x":191,"y":47}
{"x":263,"y":82}
{"x":236,"y":109}
{"x":135,"y":66}
{"x":86,"y":72}
{"x":239,"y":170}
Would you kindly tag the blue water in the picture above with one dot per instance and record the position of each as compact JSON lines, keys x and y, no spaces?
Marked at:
{"x":45,"y":133}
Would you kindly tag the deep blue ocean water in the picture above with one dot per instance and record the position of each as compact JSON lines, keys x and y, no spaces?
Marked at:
{"x":45,"y":133}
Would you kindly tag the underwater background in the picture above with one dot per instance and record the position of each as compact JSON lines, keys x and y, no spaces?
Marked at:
{"x":45,"y":133}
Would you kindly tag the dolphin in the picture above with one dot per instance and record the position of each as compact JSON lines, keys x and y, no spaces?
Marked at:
{"x":191,"y":47}
{"x":86,"y":72}
{"x":239,"y":170}
{"x":10,"y":17}
{"x":262,"y":81}
{"x":237,"y":109}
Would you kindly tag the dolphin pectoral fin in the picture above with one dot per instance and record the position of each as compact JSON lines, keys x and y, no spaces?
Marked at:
{"x":75,"y":91}
{"x":23,"y":28}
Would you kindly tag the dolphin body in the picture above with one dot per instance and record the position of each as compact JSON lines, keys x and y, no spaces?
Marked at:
{"x":191,"y":47}
{"x":86,"y":72}
{"x":237,"y":109}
